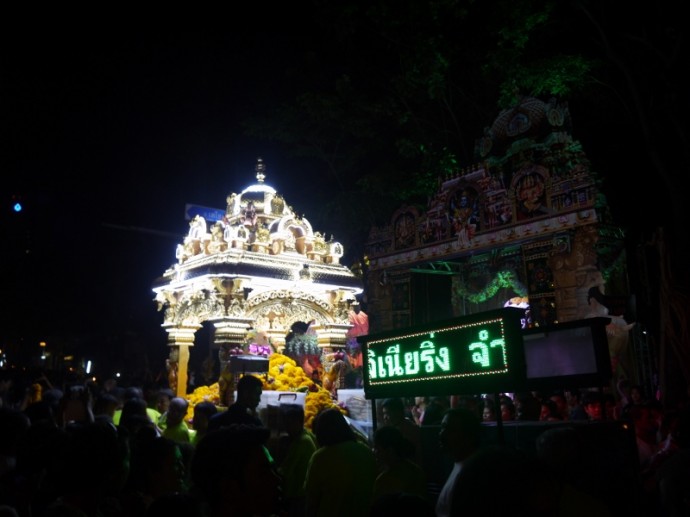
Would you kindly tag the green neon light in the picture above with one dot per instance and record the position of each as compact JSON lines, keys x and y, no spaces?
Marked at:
{"x":475,"y":349}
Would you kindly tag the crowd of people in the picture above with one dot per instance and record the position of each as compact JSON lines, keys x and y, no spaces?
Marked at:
{"x":82,"y":449}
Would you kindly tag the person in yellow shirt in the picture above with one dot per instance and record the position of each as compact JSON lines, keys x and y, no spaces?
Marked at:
{"x":176,"y":428}
{"x":341,"y":472}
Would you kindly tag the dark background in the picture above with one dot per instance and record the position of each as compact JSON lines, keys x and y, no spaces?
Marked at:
{"x":113,"y":121}
{"x":111,"y":125}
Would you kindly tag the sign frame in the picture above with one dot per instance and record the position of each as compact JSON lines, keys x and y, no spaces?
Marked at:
{"x":478,"y":353}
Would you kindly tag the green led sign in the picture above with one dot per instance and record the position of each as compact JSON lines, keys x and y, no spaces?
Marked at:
{"x":463,"y":355}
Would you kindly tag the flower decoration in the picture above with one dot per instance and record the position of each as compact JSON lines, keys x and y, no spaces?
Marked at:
{"x":297,"y":345}
{"x":283,"y":375}
{"x":502,"y":279}
{"x":257,"y":342}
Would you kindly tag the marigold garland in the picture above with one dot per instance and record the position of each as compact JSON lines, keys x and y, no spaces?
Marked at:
{"x":283,"y":375}
{"x":501,"y":280}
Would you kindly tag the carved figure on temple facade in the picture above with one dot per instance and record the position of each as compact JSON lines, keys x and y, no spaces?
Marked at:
{"x":231,"y":200}
{"x":464,"y":215}
{"x":530,"y":193}
{"x":277,"y":205}
{"x":217,"y":242}
{"x":197,"y":227}
{"x":227,"y":233}
{"x":249,"y":215}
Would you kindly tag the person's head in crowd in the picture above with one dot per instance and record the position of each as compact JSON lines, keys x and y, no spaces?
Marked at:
{"x":330,"y":428}
{"x":527,"y":407}
{"x":558,"y":397}
{"x":292,"y":419}
{"x":488,"y":410}
{"x":249,"y":390}
{"x":598,"y":405}
{"x":163,"y":398}
{"x":433,"y":414}
{"x":508,"y":410}
{"x":232,"y":473}
{"x":133,"y":392}
{"x":203,"y":411}
{"x":393,"y":410}
{"x":176,"y":411}
{"x":636,"y":394}
{"x":390,"y":446}
{"x":135,"y":418}
{"x":549,"y":411}
{"x":460,"y":433}
{"x":105,"y":405}
{"x":470,"y":402}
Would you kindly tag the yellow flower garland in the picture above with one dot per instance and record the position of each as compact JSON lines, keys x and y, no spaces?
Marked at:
{"x":283,"y":375}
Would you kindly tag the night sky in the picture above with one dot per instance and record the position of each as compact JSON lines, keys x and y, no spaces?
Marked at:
{"x":111,"y":125}
{"x":109,"y":130}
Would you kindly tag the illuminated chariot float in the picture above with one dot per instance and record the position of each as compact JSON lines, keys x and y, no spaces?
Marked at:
{"x":259,"y":274}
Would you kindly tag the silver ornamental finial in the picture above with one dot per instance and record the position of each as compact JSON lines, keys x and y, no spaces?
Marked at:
{"x":260,"y":168}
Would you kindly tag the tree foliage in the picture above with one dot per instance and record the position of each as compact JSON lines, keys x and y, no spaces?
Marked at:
{"x":397,"y":96}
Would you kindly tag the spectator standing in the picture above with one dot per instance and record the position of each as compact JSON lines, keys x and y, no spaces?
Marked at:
{"x":645,"y":422}
{"x":157,"y":470}
{"x":135,"y":392}
{"x":232,"y":473}
{"x":508,"y":410}
{"x":459,"y":437}
{"x":576,"y":411}
{"x":296,"y":450}
{"x":549,"y":411}
{"x":558,"y":397}
{"x":203,"y":411}
{"x":488,"y":410}
{"x":162,"y":403}
{"x":88,"y":473}
{"x":598,"y":406}
{"x":243,"y":410}
{"x":398,"y":474}
{"x":104,"y":408}
{"x":176,"y":428}
{"x":527,"y":407}
{"x":393,"y":410}
{"x":420,"y":405}
{"x":341,"y":473}
{"x":134,"y":418}
{"x":433,"y":414}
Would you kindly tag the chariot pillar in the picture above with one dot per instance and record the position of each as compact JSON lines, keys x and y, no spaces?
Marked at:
{"x":180,"y":339}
